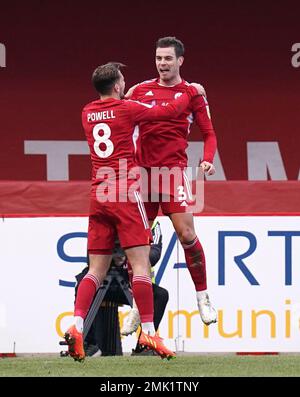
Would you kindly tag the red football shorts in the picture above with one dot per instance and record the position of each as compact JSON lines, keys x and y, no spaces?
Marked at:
{"x":126,"y":220}
{"x":168,"y":189}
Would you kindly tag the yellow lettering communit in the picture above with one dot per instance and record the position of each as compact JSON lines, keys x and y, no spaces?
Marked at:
{"x":122,"y":316}
{"x":254,"y":316}
{"x":288,"y":320}
{"x":188,"y":316}
{"x":238,"y":332}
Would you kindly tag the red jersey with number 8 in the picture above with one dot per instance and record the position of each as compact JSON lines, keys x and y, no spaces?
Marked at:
{"x":109,"y":127}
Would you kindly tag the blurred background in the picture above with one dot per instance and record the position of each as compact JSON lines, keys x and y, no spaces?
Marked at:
{"x":247,"y":56}
{"x":240,"y":51}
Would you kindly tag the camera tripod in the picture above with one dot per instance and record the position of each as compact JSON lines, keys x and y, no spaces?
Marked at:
{"x":113,"y":291}
{"x":114,"y":285}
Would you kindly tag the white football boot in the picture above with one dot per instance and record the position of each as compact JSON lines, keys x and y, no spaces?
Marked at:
{"x":207,"y":312}
{"x":132,"y":322}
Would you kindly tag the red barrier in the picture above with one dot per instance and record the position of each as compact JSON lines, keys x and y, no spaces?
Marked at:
{"x":221,"y":198}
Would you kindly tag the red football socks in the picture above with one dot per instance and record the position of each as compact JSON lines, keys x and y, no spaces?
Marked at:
{"x":195,"y":260}
{"x":143,"y":296}
{"x":85,"y":294}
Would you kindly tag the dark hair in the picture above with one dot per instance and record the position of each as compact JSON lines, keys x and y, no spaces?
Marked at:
{"x":105,"y":77}
{"x":171,"y":41}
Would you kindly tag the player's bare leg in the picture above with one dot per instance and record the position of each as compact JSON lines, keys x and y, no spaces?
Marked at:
{"x":195,"y":259}
{"x":98,"y":268}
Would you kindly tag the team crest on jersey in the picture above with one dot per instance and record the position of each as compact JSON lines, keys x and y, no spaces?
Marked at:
{"x":149,"y":93}
{"x":177,"y":95}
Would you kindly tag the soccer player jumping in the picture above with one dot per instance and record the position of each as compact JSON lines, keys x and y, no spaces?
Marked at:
{"x":115,"y":203}
{"x":163,"y":144}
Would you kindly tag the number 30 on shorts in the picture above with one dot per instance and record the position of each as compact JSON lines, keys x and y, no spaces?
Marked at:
{"x":181,"y":193}
{"x":103,"y":139}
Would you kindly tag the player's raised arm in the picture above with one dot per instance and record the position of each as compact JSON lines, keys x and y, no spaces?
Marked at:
{"x":144,"y":112}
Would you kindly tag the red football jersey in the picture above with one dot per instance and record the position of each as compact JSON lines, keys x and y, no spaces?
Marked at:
{"x":109,"y":127}
{"x":164,"y":143}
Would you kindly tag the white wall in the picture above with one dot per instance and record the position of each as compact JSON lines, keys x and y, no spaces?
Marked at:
{"x":31,"y":299}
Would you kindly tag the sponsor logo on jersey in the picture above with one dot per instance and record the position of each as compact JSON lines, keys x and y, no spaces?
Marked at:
{"x":149,"y":93}
{"x":177,"y":95}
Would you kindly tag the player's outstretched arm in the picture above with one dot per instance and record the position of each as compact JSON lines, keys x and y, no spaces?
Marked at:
{"x":144,"y":112}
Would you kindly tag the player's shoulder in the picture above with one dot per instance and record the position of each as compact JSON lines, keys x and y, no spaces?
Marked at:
{"x":90,"y":105}
{"x":145,"y":88}
{"x":146,"y":84}
{"x":182,"y":86}
{"x":99,"y":104}
{"x":202,"y":97}
{"x":185,"y":83}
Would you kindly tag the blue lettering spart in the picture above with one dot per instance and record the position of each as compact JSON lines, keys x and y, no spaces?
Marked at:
{"x":288,"y":251}
{"x":72,"y":259}
{"x":166,"y":258}
{"x":238,"y":259}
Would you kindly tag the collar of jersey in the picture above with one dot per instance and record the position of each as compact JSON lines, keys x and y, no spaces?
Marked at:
{"x":168,"y":86}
